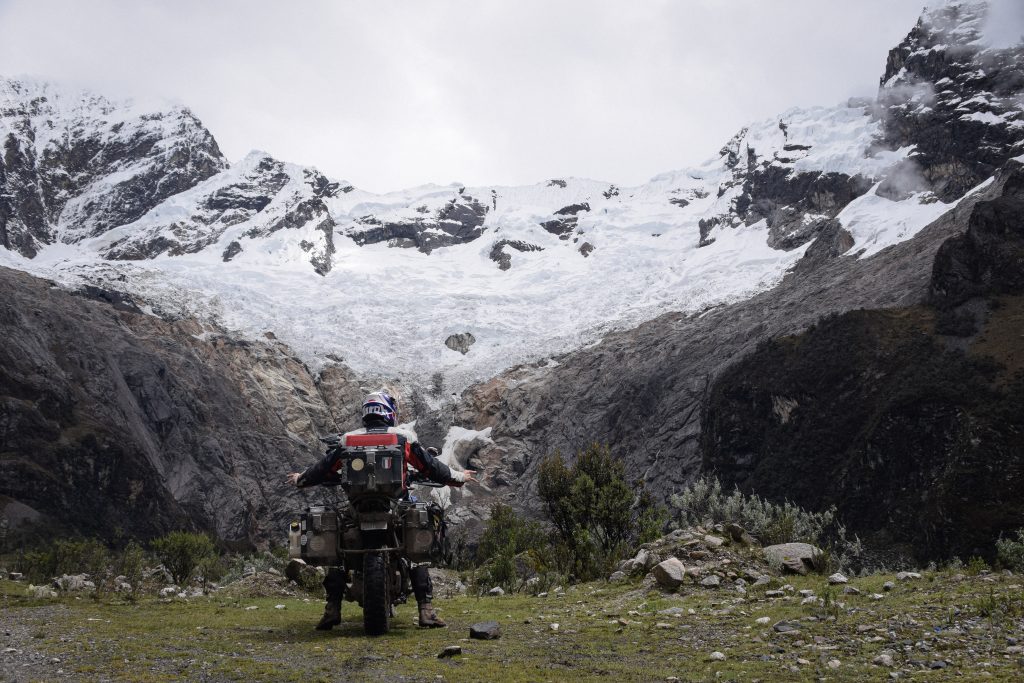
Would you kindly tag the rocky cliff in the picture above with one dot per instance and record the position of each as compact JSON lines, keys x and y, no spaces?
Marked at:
{"x":118,"y":423}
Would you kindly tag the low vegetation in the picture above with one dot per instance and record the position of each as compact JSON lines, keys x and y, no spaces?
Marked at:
{"x":704,"y":502}
{"x":941,"y":627}
{"x":593,"y":519}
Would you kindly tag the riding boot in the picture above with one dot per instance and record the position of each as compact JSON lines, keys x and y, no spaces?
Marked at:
{"x":424,"y":590}
{"x":429,"y":618}
{"x":334,"y":586}
{"x":331,"y":617}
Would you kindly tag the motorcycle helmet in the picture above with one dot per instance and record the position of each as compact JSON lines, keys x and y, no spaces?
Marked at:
{"x":380,"y":407}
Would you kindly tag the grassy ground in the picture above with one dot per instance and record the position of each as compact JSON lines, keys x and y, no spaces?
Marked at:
{"x":969,"y":625}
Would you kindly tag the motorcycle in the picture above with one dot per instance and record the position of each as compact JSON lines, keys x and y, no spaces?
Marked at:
{"x":376,"y":532}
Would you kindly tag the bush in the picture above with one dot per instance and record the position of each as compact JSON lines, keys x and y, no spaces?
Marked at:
{"x":704,"y":503}
{"x":1011,"y":552}
{"x":596,"y":515}
{"x":129,"y":564}
{"x":182,"y":552}
{"x":511,"y":550}
{"x":73,"y":556}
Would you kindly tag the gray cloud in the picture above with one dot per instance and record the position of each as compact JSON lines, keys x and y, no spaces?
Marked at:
{"x":391,"y":94}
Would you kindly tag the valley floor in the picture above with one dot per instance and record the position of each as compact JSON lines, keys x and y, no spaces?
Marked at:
{"x":943,"y":626}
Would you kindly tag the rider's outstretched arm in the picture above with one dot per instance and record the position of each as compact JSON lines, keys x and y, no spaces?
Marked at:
{"x":434,"y":469}
{"x":318,"y":472}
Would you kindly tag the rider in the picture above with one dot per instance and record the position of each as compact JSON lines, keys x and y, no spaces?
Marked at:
{"x":380,"y":415}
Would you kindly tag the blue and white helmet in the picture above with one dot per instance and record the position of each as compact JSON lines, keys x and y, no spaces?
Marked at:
{"x":382,"y":404}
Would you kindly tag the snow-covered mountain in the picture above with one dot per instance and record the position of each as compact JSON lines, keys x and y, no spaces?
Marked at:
{"x":102,"y":193}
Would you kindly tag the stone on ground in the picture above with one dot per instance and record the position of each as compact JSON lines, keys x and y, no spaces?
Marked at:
{"x":485,"y":630}
{"x":669,"y":573}
{"x":798,"y":558}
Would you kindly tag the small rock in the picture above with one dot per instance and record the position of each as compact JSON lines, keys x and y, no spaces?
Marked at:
{"x":803,"y":662}
{"x":763,"y":620}
{"x":907,"y":576}
{"x":41,"y":592}
{"x":883,"y":659}
{"x":877,"y":596}
{"x":834,"y":664}
{"x":888,"y":586}
{"x":851,"y":590}
{"x":717,"y":656}
{"x":249,"y":570}
{"x":168,"y":591}
{"x":714,"y":542}
{"x":773,"y":594}
{"x":763,"y":580}
{"x":15,"y":576}
{"x":710,"y":581}
{"x":618,"y":577}
{"x":837,"y":579}
{"x":553,"y":627}
{"x":786,"y":627}
{"x":450,"y":651}
{"x":278,"y":606}
{"x":663,"y":625}
{"x":497,"y":590}
{"x":806,"y":593}
{"x":485,"y":630}
{"x":672,"y":611}
{"x":937,"y":664}
{"x":250,"y":608}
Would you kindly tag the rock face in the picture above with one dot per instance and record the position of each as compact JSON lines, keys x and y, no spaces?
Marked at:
{"x":75,"y":167}
{"x":926,"y":426}
{"x":954,"y":96}
{"x":500,"y":255}
{"x":458,"y":221}
{"x":254,"y":200}
{"x":115,"y":420}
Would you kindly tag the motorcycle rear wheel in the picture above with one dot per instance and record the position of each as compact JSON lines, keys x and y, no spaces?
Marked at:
{"x":376,"y":601}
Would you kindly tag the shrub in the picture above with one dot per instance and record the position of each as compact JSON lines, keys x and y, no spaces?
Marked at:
{"x":508,"y":543}
{"x":1011,"y":552}
{"x":182,"y":552}
{"x":71,"y":556}
{"x":596,"y":515}
{"x":129,"y":564}
{"x":704,"y":503}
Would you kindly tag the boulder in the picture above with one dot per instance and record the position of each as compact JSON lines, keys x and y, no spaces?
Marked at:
{"x":711,"y":581}
{"x":798,"y":558}
{"x":496,"y":591}
{"x":450,"y":651}
{"x":669,"y":573}
{"x":460,"y":342}
{"x":618,"y":577}
{"x":71,"y":583}
{"x":485,"y":630}
{"x":837,"y":579}
{"x":739,"y":535}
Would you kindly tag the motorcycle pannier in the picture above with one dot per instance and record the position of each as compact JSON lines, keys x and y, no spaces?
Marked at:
{"x":314,"y":537}
{"x":421,"y":528}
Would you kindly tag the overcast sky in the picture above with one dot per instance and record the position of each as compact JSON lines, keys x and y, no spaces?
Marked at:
{"x":390,"y":94}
